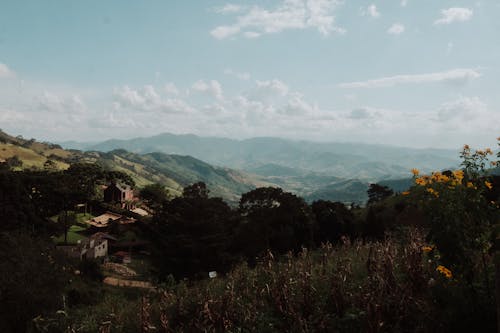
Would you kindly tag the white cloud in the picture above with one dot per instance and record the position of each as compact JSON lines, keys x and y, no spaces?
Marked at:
{"x":61,"y":104}
{"x":5,"y":71}
{"x":454,"y":14}
{"x":148,"y":99}
{"x":211,"y":87}
{"x":404,"y":3}
{"x":460,"y":76}
{"x":396,"y":29}
{"x":464,"y":108}
{"x":240,"y":75}
{"x":361,"y":113}
{"x":229,"y":8}
{"x":171,"y":89}
{"x":371,"y":11}
{"x":225,"y":31}
{"x":290,"y":14}
{"x":268,"y":90}
{"x":251,"y":34}
{"x":297,"y":106}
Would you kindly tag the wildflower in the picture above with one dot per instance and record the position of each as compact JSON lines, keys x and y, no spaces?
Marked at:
{"x":466,"y":147}
{"x":445,"y":271}
{"x":436,"y":176}
{"x":470,"y":185}
{"x":458,"y":174}
{"x":427,"y":248}
{"x":493,"y":163}
{"x":420,"y":181}
{"x":415,"y":171}
{"x":488,"y":185}
{"x":488,"y":151}
{"x":433,"y":192}
{"x":405,"y":192}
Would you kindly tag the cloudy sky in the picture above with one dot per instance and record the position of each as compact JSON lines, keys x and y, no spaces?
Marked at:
{"x":420,"y":73}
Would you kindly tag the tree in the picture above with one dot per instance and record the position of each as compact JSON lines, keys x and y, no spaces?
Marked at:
{"x":273,"y":219}
{"x":32,"y":281}
{"x":192,"y":234}
{"x":154,"y":195}
{"x":333,"y":220}
{"x":14,"y":162}
{"x":196,"y":190}
{"x":378,"y":193}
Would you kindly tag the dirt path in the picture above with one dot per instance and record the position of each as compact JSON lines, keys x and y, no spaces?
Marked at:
{"x":127,"y":283}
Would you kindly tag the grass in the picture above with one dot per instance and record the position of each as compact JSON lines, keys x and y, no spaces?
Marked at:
{"x":75,"y":231}
{"x":74,"y":235}
{"x":29,"y":157}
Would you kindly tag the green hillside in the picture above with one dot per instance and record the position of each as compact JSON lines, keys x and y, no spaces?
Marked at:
{"x":173,"y":171}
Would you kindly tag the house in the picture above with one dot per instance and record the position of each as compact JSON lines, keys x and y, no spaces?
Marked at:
{"x":119,"y":194}
{"x":96,"y":246}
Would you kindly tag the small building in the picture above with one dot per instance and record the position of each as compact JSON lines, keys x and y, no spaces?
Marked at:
{"x":119,"y":194}
{"x":96,"y":246}
{"x":106,"y":219}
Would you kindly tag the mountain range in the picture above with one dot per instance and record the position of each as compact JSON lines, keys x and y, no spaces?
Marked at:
{"x":329,"y":171}
{"x":281,"y":157}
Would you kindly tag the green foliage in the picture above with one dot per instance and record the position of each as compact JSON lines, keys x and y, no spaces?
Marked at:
{"x":275,"y":220}
{"x":333,"y":220}
{"x":193,"y":234}
{"x":32,"y":281}
{"x":154,"y":195}
{"x":378,"y":193}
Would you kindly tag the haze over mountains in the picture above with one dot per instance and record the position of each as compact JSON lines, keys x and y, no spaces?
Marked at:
{"x":313,"y":170}
{"x":280,"y":157}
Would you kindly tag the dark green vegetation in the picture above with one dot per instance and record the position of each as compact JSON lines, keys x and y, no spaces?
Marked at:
{"x":283,"y":265}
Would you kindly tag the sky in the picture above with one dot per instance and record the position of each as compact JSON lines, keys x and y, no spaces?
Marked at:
{"x":417,"y":73}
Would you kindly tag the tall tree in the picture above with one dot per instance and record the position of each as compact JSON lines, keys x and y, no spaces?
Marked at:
{"x":273,"y":219}
{"x":192,"y":234}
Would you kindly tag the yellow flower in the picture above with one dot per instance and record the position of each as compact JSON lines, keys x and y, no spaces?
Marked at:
{"x":466,"y":147}
{"x":488,"y":185}
{"x":470,"y":185}
{"x":436,"y":176}
{"x":445,"y":271}
{"x":427,"y":248}
{"x":488,"y":151}
{"x":405,"y":192}
{"x":433,"y":192}
{"x":415,"y":172}
{"x":420,"y":181}
{"x":458,"y":174}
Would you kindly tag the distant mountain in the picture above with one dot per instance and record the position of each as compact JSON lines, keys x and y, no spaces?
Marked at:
{"x":346,"y":191}
{"x":173,"y":171}
{"x":398,"y":185}
{"x":264,"y":156}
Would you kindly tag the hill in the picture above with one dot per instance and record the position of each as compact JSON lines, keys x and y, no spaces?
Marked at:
{"x":173,"y":171}
{"x":367,"y":162}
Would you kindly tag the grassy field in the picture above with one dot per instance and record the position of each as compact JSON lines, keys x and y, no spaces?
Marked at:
{"x":74,"y":235}
{"x":76,"y":230}
{"x":29,"y":157}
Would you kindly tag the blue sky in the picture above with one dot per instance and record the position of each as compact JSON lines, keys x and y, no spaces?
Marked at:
{"x":413,"y":73}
